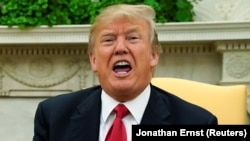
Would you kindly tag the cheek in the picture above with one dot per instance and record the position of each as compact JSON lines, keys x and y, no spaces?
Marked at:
{"x":100,"y":59}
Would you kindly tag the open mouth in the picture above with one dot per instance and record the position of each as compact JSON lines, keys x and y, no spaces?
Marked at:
{"x":122,"y":67}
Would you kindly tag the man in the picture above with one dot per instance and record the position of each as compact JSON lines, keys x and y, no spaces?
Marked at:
{"x":123,"y":52}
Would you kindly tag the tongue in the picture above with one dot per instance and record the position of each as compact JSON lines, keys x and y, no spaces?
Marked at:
{"x":122,"y":70}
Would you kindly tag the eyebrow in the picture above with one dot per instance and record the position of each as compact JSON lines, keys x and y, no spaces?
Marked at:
{"x":106,"y":33}
{"x":134,"y":28}
{"x":130,"y":29}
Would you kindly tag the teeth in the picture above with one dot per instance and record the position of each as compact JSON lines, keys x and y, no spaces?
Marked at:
{"x":121,"y":63}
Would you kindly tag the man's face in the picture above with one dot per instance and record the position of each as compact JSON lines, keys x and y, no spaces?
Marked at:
{"x":122,"y":58}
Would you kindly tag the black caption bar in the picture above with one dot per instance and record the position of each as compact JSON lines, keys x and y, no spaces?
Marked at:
{"x":200,"y":132}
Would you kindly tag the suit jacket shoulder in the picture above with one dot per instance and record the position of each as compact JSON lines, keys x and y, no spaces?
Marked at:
{"x":71,"y":116}
{"x":167,"y":108}
{"x":71,"y":100}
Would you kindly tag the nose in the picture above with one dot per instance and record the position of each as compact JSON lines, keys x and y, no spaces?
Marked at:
{"x":121,"y":47}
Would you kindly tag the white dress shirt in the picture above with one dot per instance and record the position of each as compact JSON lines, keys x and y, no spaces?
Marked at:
{"x":136,"y":107}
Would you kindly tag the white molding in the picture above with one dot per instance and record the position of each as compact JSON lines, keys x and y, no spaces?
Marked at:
{"x":204,"y":31}
{"x":45,"y":34}
{"x":169,"y":32}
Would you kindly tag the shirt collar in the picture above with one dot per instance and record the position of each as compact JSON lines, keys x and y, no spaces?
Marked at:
{"x":108,"y":104}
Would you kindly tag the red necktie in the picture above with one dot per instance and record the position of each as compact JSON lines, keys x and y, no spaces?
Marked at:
{"x":117,"y":132}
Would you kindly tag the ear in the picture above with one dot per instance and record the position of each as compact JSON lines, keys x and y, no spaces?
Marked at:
{"x":92,"y":60}
{"x":154,"y":58}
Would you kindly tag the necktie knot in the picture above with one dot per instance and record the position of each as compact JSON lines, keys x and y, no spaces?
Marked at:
{"x":121,"y":111}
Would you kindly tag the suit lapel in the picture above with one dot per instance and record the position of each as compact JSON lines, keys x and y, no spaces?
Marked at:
{"x":158,"y":110}
{"x":85,"y":121}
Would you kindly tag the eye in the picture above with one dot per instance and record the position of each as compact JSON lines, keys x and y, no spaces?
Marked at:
{"x":108,"y":40}
{"x":133,"y":38}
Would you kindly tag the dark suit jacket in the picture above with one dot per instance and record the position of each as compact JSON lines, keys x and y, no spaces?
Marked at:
{"x":76,"y":116}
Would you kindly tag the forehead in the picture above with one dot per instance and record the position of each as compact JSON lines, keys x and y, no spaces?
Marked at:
{"x":125,"y":25}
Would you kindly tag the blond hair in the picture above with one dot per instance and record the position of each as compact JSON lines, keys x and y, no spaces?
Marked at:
{"x":131,"y":12}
